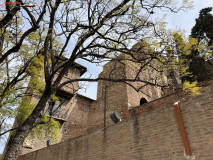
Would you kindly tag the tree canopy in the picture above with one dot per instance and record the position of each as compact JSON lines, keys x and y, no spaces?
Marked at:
{"x":200,"y":66}
{"x":97,"y":30}
{"x":203,"y":29}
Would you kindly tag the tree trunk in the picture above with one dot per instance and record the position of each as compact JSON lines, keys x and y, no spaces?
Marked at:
{"x":13,"y":149}
{"x":1,"y":44}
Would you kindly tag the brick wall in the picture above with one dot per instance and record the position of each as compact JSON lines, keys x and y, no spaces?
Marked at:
{"x":77,"y":121}
{"x":72,"y":74}
{"x":153,"y":136}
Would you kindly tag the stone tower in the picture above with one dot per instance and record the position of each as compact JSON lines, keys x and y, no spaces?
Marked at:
{"x":122,"y":96}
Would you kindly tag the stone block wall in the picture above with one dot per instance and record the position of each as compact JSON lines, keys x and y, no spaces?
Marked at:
{"x":153,"y":136}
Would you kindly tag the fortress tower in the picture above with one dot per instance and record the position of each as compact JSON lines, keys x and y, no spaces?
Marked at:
{"x":122,"y":96}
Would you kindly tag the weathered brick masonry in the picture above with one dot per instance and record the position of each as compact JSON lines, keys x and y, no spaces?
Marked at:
{"x":151,"y":136}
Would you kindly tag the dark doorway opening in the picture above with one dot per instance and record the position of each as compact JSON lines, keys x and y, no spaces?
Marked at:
{"x":143,"y":100}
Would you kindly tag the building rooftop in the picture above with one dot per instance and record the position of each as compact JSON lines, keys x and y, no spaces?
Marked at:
{"x":75,"y":65}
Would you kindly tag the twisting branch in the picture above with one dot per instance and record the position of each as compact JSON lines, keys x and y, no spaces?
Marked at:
{"x":29,"y":31}
{"x":10,"y":14}
{"x":1,"y":134}
{"x":106,"y":79}
{"x":47,"y":42}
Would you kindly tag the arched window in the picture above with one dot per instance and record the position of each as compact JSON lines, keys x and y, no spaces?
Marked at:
{"x":143,"y":100}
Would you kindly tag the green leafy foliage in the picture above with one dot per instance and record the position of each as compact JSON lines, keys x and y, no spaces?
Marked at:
{"x":25,"y":109}
{"x":17,"y":100}
{"x":199,"y":65}
{"x":51,"y":129}
{"x":191,"y":88}
{"x":36,"y":84}
{"x":176,"y":64}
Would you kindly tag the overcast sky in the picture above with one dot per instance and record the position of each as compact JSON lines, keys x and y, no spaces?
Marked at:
{"x":181,"y":20}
